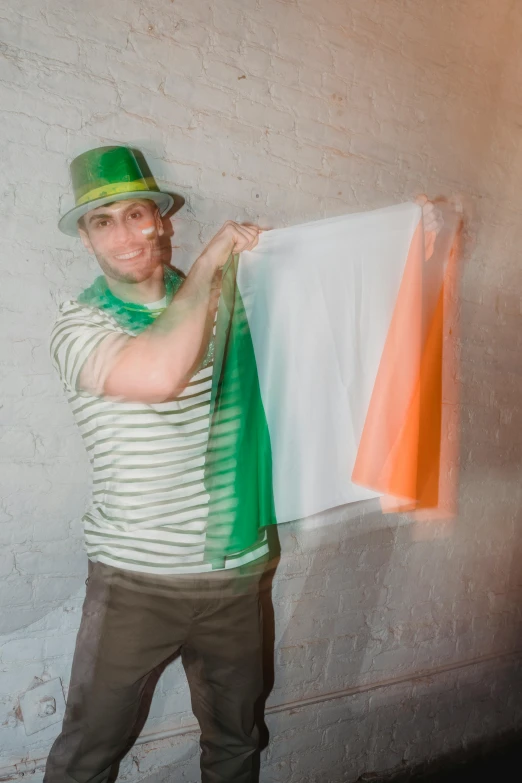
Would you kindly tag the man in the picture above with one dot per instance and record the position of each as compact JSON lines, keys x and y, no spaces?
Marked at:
{"x":134,"y":353}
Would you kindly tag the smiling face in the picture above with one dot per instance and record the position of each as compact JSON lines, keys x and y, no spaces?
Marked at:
{"x":114,"y":233}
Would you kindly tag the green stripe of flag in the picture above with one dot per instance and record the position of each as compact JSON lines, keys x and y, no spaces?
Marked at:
{"x":249,"y":502}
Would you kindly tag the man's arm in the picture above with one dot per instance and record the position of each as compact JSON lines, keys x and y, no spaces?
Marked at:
{"x":156,"y":365}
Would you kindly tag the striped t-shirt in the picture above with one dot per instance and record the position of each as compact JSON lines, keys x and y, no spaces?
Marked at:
{"x":149,"y":505}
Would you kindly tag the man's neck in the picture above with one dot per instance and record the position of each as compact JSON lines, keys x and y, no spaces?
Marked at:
{"x":150,"y":290}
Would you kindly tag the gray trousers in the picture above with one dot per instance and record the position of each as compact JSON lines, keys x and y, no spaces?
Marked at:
{"x":131,"y":624}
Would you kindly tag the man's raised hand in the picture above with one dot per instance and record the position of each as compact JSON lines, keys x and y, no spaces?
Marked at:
{"x":231,"y":238}
{"x":433,"y":222}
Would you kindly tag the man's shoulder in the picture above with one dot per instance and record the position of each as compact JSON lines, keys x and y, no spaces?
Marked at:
{"x":78,"y":330}
{"x":71,"y":312}
{"x":77,"y":325}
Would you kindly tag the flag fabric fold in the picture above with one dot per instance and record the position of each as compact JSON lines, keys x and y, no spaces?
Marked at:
{"x":238,"y":466}
{"x":327,"y":375}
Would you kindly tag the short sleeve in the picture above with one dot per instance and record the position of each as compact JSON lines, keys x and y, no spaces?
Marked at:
{"x":83,"y":338}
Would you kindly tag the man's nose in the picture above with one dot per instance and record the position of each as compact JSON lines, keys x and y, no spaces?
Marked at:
{"x":122,"y":232}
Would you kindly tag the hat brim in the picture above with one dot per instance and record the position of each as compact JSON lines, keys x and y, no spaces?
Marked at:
{"x":69,"y":222}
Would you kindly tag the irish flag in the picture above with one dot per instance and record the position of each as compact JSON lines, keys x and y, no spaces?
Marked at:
{"x":332,"y":363}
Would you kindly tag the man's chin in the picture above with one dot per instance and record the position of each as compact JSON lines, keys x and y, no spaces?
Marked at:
{"x":120,"y":274}
{"x":126,"y":278}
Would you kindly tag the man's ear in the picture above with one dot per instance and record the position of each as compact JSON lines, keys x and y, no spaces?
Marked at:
{"x":159,"y":222}
{"x":85,"y":239}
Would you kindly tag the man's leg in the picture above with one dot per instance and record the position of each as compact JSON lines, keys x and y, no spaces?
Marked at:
{"x":125,"y":633}
{"x":223,"y":661}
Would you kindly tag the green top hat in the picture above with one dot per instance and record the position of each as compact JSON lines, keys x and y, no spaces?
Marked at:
{"x":108,"y":174}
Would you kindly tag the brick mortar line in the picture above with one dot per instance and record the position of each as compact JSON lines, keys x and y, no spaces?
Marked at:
{"x":19,"y":770}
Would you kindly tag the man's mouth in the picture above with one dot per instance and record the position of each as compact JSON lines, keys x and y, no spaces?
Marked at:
{"x":128,"y":256}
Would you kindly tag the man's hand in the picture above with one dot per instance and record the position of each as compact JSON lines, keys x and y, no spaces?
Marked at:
{"x":433,"y":222}
{"x":231,"y":238}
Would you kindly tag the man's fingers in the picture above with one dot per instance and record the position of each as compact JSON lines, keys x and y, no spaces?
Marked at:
{"x":244,"y":240}
{"x":246,"y":228}
{"x":247,"y":237}
{"x":250,"y":235}
{"x":253,"y":243}
{"x":433,"y":223}
{"x":432,"y":217}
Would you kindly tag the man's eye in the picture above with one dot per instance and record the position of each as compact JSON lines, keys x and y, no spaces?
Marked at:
{"x":102,"y":223}
{"x":135,"y":215}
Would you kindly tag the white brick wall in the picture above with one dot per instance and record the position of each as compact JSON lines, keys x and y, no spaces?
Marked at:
{"x":277,"y":112}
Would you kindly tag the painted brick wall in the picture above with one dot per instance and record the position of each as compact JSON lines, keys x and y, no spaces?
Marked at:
{"x":394,"y":642}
